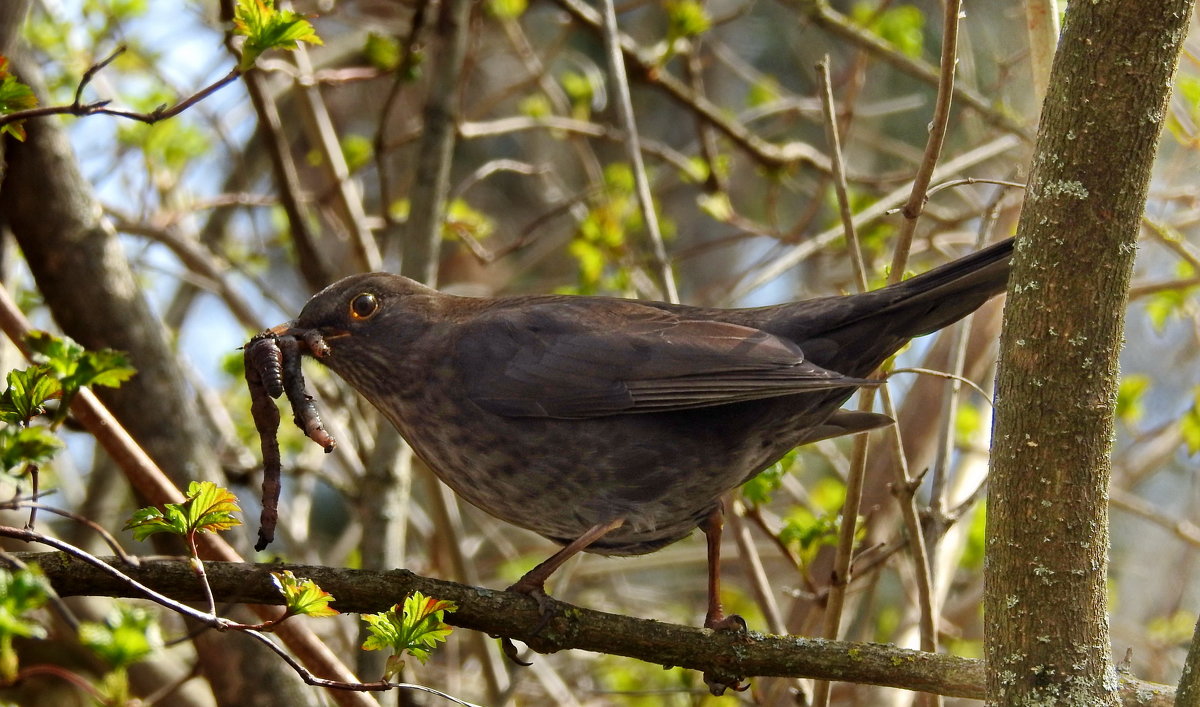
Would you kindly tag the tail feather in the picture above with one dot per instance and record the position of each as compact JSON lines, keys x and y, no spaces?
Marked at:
{"x":853,"y":334}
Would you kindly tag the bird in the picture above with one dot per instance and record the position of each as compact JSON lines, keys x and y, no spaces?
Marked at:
{"x":616,"y":426}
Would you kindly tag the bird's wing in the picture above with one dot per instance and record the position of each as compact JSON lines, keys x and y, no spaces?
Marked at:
{"x":591,"y":358}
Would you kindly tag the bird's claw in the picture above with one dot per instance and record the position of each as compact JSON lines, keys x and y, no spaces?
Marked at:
{"x":718,"y":683}
{"x":546,"y":611}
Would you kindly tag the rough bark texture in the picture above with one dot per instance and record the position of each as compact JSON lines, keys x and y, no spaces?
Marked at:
{"x":514,"y":615}
{"x":1047,"y":636}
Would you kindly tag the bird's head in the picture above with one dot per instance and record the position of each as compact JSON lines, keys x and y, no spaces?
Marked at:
{"x":361,"y":325}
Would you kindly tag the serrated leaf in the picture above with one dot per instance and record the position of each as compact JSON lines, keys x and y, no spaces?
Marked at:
{"x":208,"y":508}
{"x":414,"y":628}
{"x":14,"y":96}
{"x":303,"y":596}
{"x":211,"y":507}
{"x":266,"y":28}
{"x":27,"y":390}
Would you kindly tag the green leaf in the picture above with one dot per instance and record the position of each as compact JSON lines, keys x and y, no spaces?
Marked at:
{"x":27,"y":445}
{"x":382,"y":52}
{"x":14,"y":96}
{"x":507,"y":9}
{"x":1189,"y":424}
{"x":686,"y":18}
{"x":1130,"y":397}
{"x":76,"y":367}
{"x":27,"y":390}
{"x":266,"y":28}
{"x":127,"y":635}
{"x":303,"y":596}
{"x":414,"y":628}
{"x":902,"y":25}
{"x":209,"y":508}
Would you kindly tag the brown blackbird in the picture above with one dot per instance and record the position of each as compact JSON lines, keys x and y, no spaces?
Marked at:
{"x":615,"y":426}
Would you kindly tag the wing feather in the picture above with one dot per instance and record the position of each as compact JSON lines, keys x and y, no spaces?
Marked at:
{"x":592,"y":358}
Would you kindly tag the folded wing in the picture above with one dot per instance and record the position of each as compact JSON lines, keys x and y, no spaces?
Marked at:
{"x":577,"y":360}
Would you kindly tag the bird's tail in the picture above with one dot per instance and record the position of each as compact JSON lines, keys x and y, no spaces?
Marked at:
{"x":853,"y":334}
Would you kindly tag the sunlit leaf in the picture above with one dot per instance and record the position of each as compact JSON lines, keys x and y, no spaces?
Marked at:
{"x":303,"y":596}
{"x":414,"y":628}
{"x":266,"y":28}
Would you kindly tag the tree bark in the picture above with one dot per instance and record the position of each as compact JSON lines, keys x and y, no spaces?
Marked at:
{"x":1046,"y":633}
{"x":515,"y":615}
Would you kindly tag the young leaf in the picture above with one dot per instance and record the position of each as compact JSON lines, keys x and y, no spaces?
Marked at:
{"x":265,"y":28}
{"x":14,"y":96}
{"x":209,"y":508}
{"x":27,"y":390}
{"x":303,"y":596}
{"x":413,"y":628}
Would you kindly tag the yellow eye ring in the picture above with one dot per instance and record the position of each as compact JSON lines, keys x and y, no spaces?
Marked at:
{"x":364,"y":306}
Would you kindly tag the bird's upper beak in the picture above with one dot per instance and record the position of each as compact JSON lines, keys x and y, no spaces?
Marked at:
{"x":313,"y":341}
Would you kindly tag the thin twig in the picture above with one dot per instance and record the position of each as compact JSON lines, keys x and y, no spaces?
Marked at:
{"x":616,"y":65}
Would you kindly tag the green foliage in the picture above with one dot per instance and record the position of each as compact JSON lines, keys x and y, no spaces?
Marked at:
{"x":21,"y":593}
{"x":27,"y":445}
{"x":14,"y":96}
{"x":968,"y":420}
{"x":1174,"y":629}
{"x":414,"y":628}
{"x":535,"y":105}
{"x":61,"y":368}
{"x":762,"y":92}
{"x":303,"y":596}
{"x":127,"y":635}
{"x":463,"y":219}
{"x":973,"y":553}
{"x":901,"y":25}
{"x":208,"y":509}
{"x":28,"y":390}
{"x":685,"y":19}
{"x":507,"y":9}
{"x":76,"y":367}
{"x":580,"y":91}
{"x":382,"y":52}
{"x":1166,"y":305}
{"x":1190,"y":423}
{"x":357,"y":150}
{"x":266,"y":28}
{"x":759,"y":490}
{"x":1131,"y":397}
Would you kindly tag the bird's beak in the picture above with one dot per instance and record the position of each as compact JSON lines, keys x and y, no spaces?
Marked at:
{"x":312,"y":340}
{"x":286,"y":329}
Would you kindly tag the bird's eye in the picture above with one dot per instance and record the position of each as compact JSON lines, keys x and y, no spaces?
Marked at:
{"x":364,"y":306}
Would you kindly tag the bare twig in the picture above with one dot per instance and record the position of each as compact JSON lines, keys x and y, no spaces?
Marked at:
{"x":616,"y":64}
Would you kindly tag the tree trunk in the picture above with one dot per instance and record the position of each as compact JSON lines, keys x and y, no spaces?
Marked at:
{"x":1046,"y":623}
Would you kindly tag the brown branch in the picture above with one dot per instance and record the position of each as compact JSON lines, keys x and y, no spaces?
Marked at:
{"x":511,"y":614}
{"x":79,"y":108}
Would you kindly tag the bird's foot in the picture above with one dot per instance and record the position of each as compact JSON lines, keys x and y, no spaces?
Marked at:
{"x":546,"y":611}
{"x":719,"y":682}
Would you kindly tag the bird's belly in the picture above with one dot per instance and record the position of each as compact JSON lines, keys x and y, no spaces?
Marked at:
{"x":559,"y":478}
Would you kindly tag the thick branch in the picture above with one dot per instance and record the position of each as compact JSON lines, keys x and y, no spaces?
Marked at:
{"x":514,"y":615}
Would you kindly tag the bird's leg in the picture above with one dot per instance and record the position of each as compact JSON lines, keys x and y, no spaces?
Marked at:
{"x":715,"y":618}
{"x":533,"y":582}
